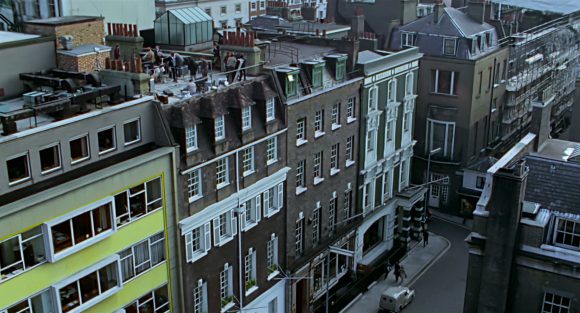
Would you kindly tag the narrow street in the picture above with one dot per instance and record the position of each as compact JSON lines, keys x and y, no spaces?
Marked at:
{"x":443,"y":285}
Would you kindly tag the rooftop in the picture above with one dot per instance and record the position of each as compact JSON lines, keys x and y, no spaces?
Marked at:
{"x":452,"y":23}
{"x":7,"y":37}
{"x":85,"y":49}
{"x":553,"y":6}
{"x":64,"y":20}
{"x":288,"y":52}
{"x":275,"y":23}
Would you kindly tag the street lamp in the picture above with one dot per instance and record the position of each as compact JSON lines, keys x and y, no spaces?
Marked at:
{"x":432,"y":152}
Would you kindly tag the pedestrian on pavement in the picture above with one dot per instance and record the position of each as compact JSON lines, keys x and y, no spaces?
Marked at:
{"x":425,"y":237}
{"x":402,"y":273}
{"x":397,"y":271}
{"x":388,"y":269}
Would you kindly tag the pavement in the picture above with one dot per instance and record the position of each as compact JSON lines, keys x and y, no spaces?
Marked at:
{"x":417,"y":261}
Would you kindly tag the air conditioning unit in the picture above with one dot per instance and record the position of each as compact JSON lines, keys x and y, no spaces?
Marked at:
{"x":33,"y":98}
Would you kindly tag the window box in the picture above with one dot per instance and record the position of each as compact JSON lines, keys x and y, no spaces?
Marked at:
{"x":251,"y":287}
{"x":227,"y":303}
{"x":273,"y":271}
{"x":77,"y":230}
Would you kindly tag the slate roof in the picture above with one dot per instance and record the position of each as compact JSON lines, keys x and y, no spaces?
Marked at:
{"x":554,"y":184}
{"x":554,"y":6}
{"x":452,"y":23}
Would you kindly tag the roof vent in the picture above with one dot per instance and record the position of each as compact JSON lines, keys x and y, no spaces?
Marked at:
{"x":67,"y":42}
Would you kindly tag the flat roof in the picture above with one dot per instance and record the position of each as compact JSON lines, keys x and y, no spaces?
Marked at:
{"x":7,"y":37}
{"x":64,"y":20}
{"x":85,"y":49}
{"x":560,"y":150}
{"x":286,"y":52}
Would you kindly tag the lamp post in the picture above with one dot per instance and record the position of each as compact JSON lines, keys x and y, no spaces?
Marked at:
{"x":432,"y":152}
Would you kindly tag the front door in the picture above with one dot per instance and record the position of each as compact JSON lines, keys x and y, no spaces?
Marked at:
{"x":301,"y":299}
{"x":435,"y":190}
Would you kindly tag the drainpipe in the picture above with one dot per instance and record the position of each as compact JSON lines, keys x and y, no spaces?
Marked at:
{"x":490,"y":104}
{"x":240,"y":276}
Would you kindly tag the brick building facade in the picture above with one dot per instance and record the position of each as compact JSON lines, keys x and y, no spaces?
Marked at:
{"x":83,"y":29}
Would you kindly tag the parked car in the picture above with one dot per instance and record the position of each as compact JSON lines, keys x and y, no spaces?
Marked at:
{"x":394,"y":299}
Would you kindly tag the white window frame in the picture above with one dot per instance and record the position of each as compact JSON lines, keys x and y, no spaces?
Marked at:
{"x":55,"y":289}
{"x":148,"y":202}
{"x":350,"y":110}
{"x":300,"y":177}
{"x":194,"y":185}
{"x":230,"y":228}
{"x":22,"y":245}
{"x":334,"y":159}
{"x":392,"y":90}
{"x":219,"y":128}
{"x":125,"y":123}
{"x":404,"y":174}
{"x":222,"y":177}
{"x":332,"y":216}
{"x":205,"y":244}
{"x":272,"y":257}
{"x":316,"y":225}
{"x":445,"y":39}
{"x":270,"y":109}
{"x":272,"y":150}
{"x":250,"y":215}
{"x":299,"y":235}
{"x":575,"y":229}
{"x":53,"y":145}
{"x":319,"y":123}
{"x":200,"y":297}
{"x":227,"y":288}
{"x":387,"y":187}
{"x":248,"y":161}
{"x":250,"y":272}
{"x":53,"y":256}
{"x":560,"y":307}
{"x":191,"y":138}
{"x":447,"y":151}
{"x":335,"y":116}
{"x":349,"y":151}
{"x":273,"y":200}
{"x":150,"y":243}
{"x":157,"y":307}
{"x":317,"y":168}
{"x":407,"y":39}
{"x":246,"y":118}
{"x":27,"y":167}
{"x":452,"y":84}
{"x":99,"y":131}
{"x":301,"y":132}
{"x":409,"y":84}
{"x":347,"y":203}
{"x":86,"y":135}
{"x":373,"y":98}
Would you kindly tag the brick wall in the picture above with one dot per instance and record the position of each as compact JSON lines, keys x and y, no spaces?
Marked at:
{"x":85,"y":32}
{"x":85,"y":63}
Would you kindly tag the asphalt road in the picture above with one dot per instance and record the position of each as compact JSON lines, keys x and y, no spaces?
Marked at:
{"x":442,"y":288}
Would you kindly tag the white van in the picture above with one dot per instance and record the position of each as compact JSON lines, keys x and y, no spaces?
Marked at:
{"x":394,"y":299}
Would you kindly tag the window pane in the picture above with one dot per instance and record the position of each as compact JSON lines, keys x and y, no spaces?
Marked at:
{"x":10,"y":259}
{"x":33,"y":250}
{"x":21,"y":307}
{"x":102,"y":218}
{"x":161,"y":299}
{"x":69,"y":297}
{"x":79,"y":148}
{"x":106,"y":139}
{"x":141,"y":253}
{"x":137,"y":205}
{"x":108,"y":277}
{"x":154,"y":194}
{"x":82,"y":227}
{"x":49,"y":158}
{"x":444,"y":83}
{"x":122,"y":208}
{"x":61,"y":236}
{"x":18,"y":168}
{"x":89,"y":287}
{"x":131,"y":131}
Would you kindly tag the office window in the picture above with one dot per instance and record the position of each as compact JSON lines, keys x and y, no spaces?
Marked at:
{"x":299,"y":236}
{"x":272,"y":150}
{"x":449,"y":46}
{"x":106,"y":140}
{"x":319,"y":122}
{"x":554,"y":303}
{"x":200,"y":297}
{"x":316,"y":226}
{"x":223,"y":10}
{"x":220,"y":132}
{"x":272,"y":255}
{"x":335,"y":116}
{"x":80,"y":230}
{"x":141,"y":257}
{"x":194,"y":185}
{"x":138,"y":201}
{"x":350,"y":110}
{"x":21,"y":253}
{"x":347,"y":204}
{"x":349,"y":154}
{"x":191,"y":138}
{"x":317,"y":169}
{"x":392,"y":91}
{"x":409,"y":82}
{"x":79,"y":149}
{"x":270,"y":109}
{"x":567,"y":233}
{"x":334,"y":156}
{"x":156,"y":301}
{"x":301,"y":131}
{"x":444,"y":82}
{"x":332,"y":215}
{"x":372,"y":105}
{"x":197,"y":242}
{"x":246,"y":118}
{"x":221,"y":169}
{"x":440,"y":134}
{"x":76,"y":294}
{"x":300,"y":177}
{"x":18,"y":169}
{"x":49,"y":159}
{"x":248,"y":160}
{"x":132,"y":131}
{"x":238,"y":8}
{"x":41,"y":303}
{"x":227,"y":286}
{"x":250,"y":271}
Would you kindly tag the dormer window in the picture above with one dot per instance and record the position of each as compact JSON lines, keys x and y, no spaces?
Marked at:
{"x":449,"y":46}
{"x":291,"y":84}
{"x":340,"y":69}
{"x":407,"y":39}
{"x":480,"y":42}
{"x":489,"y":38}
{"x":220,"y":131}
{"x":317,"y":75}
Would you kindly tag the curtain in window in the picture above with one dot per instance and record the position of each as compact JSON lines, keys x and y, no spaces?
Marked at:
{"x":141,"y":254}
